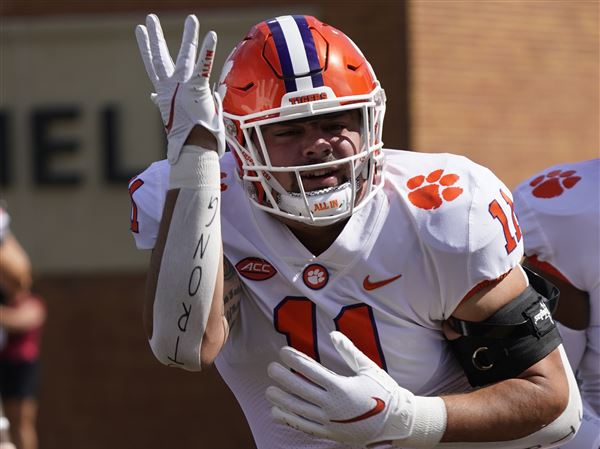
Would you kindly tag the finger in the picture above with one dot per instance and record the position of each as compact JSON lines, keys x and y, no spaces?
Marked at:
{"x":294,"y":404}
{"x":353,"y":356}
{"x":299,"y":423}
{"x":294,"y":383}
{"x":184,"y":67}
{"x":206,"y":57}
{"x":141,"y":35}
{"x":163,"y":64}
{"x":307,"y":366}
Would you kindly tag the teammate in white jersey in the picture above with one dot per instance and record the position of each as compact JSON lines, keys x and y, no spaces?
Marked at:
{"x":329,"y":277}
{"x":559,"y":214}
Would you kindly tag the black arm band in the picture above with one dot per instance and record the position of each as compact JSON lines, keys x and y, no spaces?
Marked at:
{"x":516,"y":337}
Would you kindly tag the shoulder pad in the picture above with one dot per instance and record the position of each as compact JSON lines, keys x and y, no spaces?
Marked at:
{"x":463,"y":215}
{"x":564,"y":189}
{"x":558,"y":210}
{"x":450,"y":198}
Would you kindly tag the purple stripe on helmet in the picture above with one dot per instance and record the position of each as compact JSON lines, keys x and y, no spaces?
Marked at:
{"x":284,"y":56}
{"x":311,"y":51}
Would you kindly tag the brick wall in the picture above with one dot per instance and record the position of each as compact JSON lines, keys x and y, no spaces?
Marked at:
{"x":102,"y":387}
{"x":513,"y":85}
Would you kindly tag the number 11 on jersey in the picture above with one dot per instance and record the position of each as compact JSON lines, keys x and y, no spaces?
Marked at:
{"x":497,"y":212}
{"x":296,"y":318}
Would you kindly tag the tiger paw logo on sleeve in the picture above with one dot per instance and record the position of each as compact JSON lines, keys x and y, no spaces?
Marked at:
{"x":430,"y":192}
{"x":554,"y":183}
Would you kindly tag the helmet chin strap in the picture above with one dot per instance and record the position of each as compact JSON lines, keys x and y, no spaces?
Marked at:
{"x":332,"y":201}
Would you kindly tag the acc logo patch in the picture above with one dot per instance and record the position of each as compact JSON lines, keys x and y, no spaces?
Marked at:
{"x":315,"y":276}
{"x":255,"y":269}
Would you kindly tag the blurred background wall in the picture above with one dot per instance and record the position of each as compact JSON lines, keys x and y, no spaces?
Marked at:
{"x":513,"y":85}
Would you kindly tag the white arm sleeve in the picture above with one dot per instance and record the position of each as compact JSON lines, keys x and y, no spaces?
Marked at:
{"x":558,"y":432}
{"x":588,"y":435}
{"x":190,"y":262}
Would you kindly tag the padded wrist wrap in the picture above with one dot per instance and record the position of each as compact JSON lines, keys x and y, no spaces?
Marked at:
{"x":517,"y":336}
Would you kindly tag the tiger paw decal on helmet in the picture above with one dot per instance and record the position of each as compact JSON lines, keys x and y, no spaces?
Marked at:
{"x":431,"y":191}
{"x":553,"y":184}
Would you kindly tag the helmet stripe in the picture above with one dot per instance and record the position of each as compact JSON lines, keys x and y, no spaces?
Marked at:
{"x":295,"y":47}
{"x":311,"y":51}
{"x":297,"y":53}
{"x":284,"y":55}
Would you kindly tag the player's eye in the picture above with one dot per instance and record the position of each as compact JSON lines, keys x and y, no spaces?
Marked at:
{"x":334,"y":127}
{"x":286,"y":132}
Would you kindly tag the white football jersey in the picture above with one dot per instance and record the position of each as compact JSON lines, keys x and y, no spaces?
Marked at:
{"x":440,"y":226}
{"x":559,"y":213}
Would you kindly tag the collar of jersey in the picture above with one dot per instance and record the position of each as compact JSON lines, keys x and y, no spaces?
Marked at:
{"x":357,"y":235}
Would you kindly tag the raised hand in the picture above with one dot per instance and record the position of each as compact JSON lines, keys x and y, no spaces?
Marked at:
{"x":183,"y":93}
{"x":367,"y":408}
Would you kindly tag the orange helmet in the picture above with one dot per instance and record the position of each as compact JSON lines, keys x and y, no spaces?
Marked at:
{"x":293,"y":67}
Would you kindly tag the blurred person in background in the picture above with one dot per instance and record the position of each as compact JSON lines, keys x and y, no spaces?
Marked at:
{"x":22,"y":315}
{"x":559,"y":213}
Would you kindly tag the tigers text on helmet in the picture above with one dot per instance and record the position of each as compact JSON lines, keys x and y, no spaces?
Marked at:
{"x":294,"y":67}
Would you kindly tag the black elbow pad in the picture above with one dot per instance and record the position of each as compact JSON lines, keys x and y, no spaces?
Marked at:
{"x":516,"y":337}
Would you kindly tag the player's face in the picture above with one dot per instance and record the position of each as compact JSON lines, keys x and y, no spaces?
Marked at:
{"x":324,"y":138}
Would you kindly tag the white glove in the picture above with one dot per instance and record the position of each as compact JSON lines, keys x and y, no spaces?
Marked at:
{"x":364,"y":409}
{"x":182,"y":91}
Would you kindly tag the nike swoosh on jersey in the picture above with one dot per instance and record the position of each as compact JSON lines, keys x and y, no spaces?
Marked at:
{"x":378,"y":408}
{"x":368,"y":285}
{"x":169,"y":124}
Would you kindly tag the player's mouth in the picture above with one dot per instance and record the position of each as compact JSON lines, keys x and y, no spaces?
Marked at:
{"x":322,"y":178}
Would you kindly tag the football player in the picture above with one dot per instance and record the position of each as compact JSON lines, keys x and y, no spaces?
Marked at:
{"x":559,"y":214}
{"x":323,"y":273}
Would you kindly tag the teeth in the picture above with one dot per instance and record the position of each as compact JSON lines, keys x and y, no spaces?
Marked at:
{"x":314,"y":174}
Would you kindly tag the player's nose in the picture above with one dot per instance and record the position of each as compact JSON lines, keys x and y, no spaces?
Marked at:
{"x":317,"y":146}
